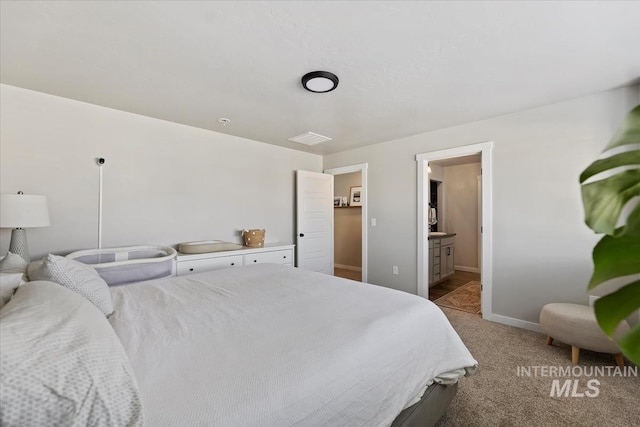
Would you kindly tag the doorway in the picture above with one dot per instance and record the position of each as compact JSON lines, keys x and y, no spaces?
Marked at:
{"x":428,"y":164}
{"x":350,"y":210}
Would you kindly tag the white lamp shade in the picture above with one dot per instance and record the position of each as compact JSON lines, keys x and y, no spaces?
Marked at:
{"x":23,"y":211}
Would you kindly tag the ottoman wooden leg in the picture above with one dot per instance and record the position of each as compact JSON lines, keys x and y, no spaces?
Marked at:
{"x":575,"y":354}
{"x":549,"y":340}
{"x":619,"y":359}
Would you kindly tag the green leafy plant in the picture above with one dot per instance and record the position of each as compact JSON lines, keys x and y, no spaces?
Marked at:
{"x":617,"y":254}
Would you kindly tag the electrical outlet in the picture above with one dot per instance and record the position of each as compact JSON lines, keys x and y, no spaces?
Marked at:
{"x":395,"y":269}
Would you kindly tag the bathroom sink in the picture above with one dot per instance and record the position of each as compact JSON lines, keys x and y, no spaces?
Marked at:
{"x":437,"y":233}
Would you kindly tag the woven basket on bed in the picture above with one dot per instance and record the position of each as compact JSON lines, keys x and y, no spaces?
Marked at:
{"x":253,"y":238}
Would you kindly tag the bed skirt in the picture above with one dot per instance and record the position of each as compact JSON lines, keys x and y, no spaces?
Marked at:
{"x":429,"y":409}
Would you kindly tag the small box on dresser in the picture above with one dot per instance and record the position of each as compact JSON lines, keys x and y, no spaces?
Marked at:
{"x":274,"y":253}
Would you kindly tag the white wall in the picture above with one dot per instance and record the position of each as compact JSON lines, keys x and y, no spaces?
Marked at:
{"x":461,"y":211}
{"x":542,"y":249}
{"x":164,"y":183}
{"x":437,"y":172}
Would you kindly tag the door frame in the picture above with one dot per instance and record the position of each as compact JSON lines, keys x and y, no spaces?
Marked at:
{"x":362,"y":168}
{"x":486,"y":270}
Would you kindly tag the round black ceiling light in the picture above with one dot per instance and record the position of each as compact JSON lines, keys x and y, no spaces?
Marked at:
{"x":320,"y":81}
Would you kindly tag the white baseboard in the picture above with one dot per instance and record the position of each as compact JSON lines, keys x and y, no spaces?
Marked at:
{"x":469,"y":269}
{"x":518,"y":323}
{"x":348,"y":267}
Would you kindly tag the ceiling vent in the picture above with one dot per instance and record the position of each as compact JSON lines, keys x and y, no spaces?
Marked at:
{"x":309,"y":138}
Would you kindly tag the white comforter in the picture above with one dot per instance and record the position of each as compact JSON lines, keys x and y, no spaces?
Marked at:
{"x":271,"y":345}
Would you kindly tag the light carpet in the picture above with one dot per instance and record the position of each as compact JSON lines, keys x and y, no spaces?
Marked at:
{"x":465,"y":298}
{"x":496,"y":396}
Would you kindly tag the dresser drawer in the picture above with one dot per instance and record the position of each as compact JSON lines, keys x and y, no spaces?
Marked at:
{"x":273,"y":257}
{"x":436,"y":269}
{"x":207,"y":264}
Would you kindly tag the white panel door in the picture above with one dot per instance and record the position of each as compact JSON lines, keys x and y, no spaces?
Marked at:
{"x":314,"y":198}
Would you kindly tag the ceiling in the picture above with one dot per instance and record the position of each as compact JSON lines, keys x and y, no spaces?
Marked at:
{"x":405,"y":67}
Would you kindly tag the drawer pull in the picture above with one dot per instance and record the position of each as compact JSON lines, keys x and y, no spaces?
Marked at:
{"x":233,"y":263}
{"x":255,"y":260}
{"x":191,"y":269}
{"x":285,"y":257}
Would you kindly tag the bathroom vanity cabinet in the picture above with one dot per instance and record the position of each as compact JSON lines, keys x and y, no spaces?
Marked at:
{"x":441,"y":257}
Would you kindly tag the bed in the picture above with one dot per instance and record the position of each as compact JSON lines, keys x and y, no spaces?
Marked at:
{"x":273,"y":345}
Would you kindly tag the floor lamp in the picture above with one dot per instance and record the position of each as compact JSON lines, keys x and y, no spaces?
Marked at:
{"x":20,"y":211}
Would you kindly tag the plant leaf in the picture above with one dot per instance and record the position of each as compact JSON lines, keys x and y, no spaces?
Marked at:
{"x":630,"y":344}
{"x":615,"y":257}
{"x":604,"y":200}
{"x":629,"y":131}
{"x":613,"y":308}
{"x":620,"y":159}
{"x":632,"y":228}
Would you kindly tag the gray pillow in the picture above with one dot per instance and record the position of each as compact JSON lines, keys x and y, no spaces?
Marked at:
{"x":62,"y":363}
{"x":78,"y":277}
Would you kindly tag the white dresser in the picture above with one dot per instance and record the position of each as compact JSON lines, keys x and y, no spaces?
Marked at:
{"x":274,"y":253}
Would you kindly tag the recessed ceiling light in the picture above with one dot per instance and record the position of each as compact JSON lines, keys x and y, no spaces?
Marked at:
{"x":320,"y":81}
{"x":224,"y":121}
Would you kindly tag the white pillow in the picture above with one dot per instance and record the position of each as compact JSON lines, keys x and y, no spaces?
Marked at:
{"x":12,"y":274}
{"x":9,"y":282}
{"x":62,"y":363}
{"x":78,"y":277}
{"x":13,"y":263}
{"x":33,"y":267}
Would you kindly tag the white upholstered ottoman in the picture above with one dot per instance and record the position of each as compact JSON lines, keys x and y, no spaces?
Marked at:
{"x":576,"y":325}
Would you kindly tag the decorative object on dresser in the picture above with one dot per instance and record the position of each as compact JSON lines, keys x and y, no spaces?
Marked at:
{"x":20,"y":211}
{"x":206,"y":246}
{"x":197,"y":263}
{"x":253,"y":238}
{"x":354,"y":196}
{"x":337,"y":202}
